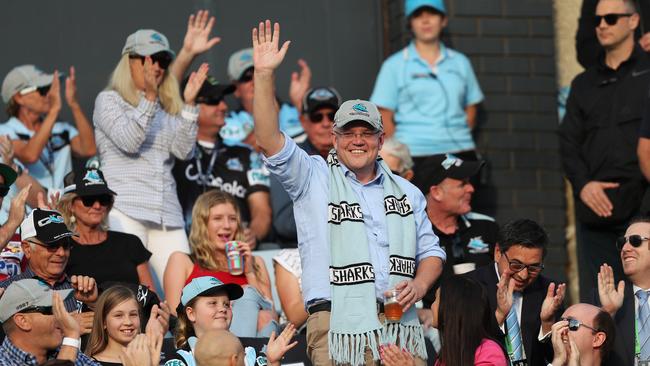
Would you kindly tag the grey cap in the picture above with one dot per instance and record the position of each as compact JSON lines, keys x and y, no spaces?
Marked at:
{"x":23,"y":77}
{"x":146,"y":42}
{"x":358,"y":110}
{"x":239,"y":62}
{"x":25,"y":294}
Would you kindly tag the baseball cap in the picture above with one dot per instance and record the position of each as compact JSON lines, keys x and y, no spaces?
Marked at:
{"x":320,"y":97}
{"x":208,"y":285}
{"x":436,"y":168}
{"x":8,"y":173}
{"x":239,"y":62}
{"x":23,"y":77}
{"x":211,"y":91}
{"x":90,"y":182}
{"x":46,"y":225}
{"x":25,"y":294}
{"x":146,"y":42}
{"x":358,"y":110}
{"x":412,"y":5}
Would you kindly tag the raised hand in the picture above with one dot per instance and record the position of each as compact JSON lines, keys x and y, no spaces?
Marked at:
{"x":137,"y":352}
{"x":391,"y":355}
{"x":300,"y":83}
{"x":194,"y":83}
{"x":277,"y":347}
{"x":155,"y":336}
{"x":197,"y":38}
{"x":266,"y":54}
{"x":71,"y":89}
{"x":85,"y":288}
{"x":7,"y":150}
{"x":17,"y":207}
{"x":505,"y":288}
{"x":54,"y":95}
{"x":611,"y":296}
{"x":552,"y":302}
{"x":560,"y":341}
{"x":574,"y":353}
{"x":150,"y":80}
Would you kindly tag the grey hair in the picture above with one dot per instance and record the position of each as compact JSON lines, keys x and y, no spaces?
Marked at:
{"x":400,"y":151}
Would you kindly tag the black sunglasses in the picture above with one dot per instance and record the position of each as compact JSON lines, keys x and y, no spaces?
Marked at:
{"x":3,"y":190}
{"x":66,"y":244}
{"x":317,"y":117}
{"x":634,"y":240}
{"x":209,"y":100}
{"x":43,"y":90}
{"x":163,"y":59}
{"x":575,"y":324}
{"x":104,"y":200}
{"x":517,"y":266}
{"x":45,"y":310}
{"x":610,"y":19}
{"x":246,"y":76}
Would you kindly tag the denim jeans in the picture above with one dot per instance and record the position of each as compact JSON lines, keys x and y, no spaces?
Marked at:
{"x":245,"y":311}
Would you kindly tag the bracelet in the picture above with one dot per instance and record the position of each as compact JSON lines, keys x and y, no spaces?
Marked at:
{"x":67,"y":341}
{"x":189,"y":114}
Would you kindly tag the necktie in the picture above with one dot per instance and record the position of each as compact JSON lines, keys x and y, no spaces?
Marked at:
{"x":642,"y":315}
{"x":514,"y":332}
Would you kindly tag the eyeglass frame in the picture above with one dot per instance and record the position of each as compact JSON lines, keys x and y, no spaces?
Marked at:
{"x":575,"y":324}
{"x":526,"y":266}
{"x":53,"y":249}
{"x":598,"y":19}
{"x":620,"y":245}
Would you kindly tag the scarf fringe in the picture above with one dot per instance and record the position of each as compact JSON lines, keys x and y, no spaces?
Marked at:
{"x":350,"y":348}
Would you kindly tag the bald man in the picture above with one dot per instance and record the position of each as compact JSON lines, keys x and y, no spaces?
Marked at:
{"x":219,"y":348}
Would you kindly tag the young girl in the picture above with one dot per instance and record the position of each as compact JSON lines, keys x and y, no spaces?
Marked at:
{"x":117,"y":323}
{"x":205,"y":305}
{"x":464,"y":334}
{"x":215,"y":221}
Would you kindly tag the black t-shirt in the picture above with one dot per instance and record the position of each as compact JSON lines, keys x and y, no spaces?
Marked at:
{"x":237,"y":170}
{"x":473,"y":242}
{"x":115,"y":259}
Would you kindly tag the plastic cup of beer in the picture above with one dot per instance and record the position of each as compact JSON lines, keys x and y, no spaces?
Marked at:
{"x":392,"y":308}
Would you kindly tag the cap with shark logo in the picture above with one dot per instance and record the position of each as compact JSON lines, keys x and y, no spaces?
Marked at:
{"x":358,"y":110}
{"x":45,"y":225}
{"x":146,"y":42}
{"x":89,"y":182}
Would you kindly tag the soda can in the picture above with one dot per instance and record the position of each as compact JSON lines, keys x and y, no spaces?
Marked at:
{"x":235,"y":260}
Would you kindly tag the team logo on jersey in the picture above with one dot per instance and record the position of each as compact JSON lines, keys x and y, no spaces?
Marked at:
{"x":234,"y":164}
{"x":352,"y":274}
{"x":477,"y":245}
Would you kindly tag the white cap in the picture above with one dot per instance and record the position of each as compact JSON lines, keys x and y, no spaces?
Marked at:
{"x":146,"y":42}
{"x":23,"y":77}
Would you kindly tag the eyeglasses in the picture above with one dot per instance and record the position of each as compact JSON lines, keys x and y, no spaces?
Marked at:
{"x":610,"y":19}
{"x":162,"y":58}
{"x":45,"y":310}
{"x":66,"y":244}
{"x":104,"y":200}
{"x":247,"y":76}
{"x":366,"y":135}
{"x":634,"y":240}
{"x":517,"y":266}
{"x":318,"y":117}
{"x":43,"y":90}
{"x":209,"y":100}
{"x":574,"y":324}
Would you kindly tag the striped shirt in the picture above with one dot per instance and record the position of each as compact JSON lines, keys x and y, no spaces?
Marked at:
{"x":10,"y":355}
{"x":72,"y":305}
{"x":137,"y":146}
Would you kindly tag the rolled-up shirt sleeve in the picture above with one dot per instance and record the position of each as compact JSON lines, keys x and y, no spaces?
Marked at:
{"x":126,"y":133}
{"x":427,"y":243}
{"x":185,"y":132}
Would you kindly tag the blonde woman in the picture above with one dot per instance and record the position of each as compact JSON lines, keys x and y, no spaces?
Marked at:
{"x":141,"y":125}
{"x":215,"y":221}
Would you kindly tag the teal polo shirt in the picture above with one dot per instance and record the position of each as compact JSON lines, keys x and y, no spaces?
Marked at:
{"x":429,"y":102}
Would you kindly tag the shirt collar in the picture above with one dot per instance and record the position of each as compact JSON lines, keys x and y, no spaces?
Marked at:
{"x":14,"y":353}
{"x":378,"y":179}
{"x":637,"y":53}
{"x":29,"y":273}
{"x":411,"y":53}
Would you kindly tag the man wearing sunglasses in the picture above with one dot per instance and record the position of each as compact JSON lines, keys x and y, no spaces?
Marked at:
{"x":627,"y":300}
{"x":598,"y":138}
{"x":41,"y":142}
{"x":526,"y":304}
{"x":37,"y":326}
{"x":318,"y":108}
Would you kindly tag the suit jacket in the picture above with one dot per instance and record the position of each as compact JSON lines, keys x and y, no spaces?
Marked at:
{"x":623,"y":352}
{"x":537,"y":353}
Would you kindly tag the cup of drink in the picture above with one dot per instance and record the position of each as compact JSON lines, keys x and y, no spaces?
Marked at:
{"x":392,"y":308}
{"x":235,"y":260}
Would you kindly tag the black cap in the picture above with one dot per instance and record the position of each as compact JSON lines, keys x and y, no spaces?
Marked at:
{"x":46,"y":225}
{"x":320,"y":97}
{"x":211,"y":91}
{"x":89,"y":182}
{"x":436,"y":168}
{"x":8,"y":173}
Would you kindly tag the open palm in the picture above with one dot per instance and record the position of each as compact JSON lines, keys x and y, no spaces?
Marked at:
{"x":266,"y":54}
{"x":197,"y":38}
{"x":610,"y":295}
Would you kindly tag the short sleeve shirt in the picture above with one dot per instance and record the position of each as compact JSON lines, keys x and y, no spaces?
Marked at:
{"x":429,"y":102}
{"x":55,"y":160}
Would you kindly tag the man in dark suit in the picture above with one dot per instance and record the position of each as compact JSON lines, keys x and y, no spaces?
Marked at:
{"x":627,"y":302}
{"x":525,"y":303}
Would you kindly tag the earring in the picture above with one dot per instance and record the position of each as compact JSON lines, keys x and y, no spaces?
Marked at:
{"x":73,"y":219}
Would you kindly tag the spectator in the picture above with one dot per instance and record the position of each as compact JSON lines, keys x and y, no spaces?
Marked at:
{"x":288,"y":284}
{"x":216,"y":221}
{"x":12,"y":258}
{"x":585,"y":333}
{"x":468,"y":237}
{"x":117,"y":323}
{"x":206,"y":306}
{"x":38,"y":326}
{"x":318,"y":109}
{"x":97,"y":252}
{"x":598,"y":141}
{"x":627,"y":301}
{"x":398,"y":158}
{"x":141,"y":123}
{"x":466,"y":338}
{"x":428,"y":93}
{"x":41,"y":143}
{"x":525,"y":304}
{"x":364,"y":217}
{"x":219,"y":166}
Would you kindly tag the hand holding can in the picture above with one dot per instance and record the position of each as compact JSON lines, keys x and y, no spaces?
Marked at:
{"x":235,"y":260}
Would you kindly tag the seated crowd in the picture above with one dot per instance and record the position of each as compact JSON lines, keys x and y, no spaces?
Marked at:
{"x":164,"y":232}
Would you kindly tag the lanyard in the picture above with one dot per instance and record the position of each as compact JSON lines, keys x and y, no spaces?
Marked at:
{"x":637,"y":346}
{"x":203,"y":178}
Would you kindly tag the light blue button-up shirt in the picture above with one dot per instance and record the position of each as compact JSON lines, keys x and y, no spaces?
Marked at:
{"x":306,"y":180}
{"x":429,"y":102}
